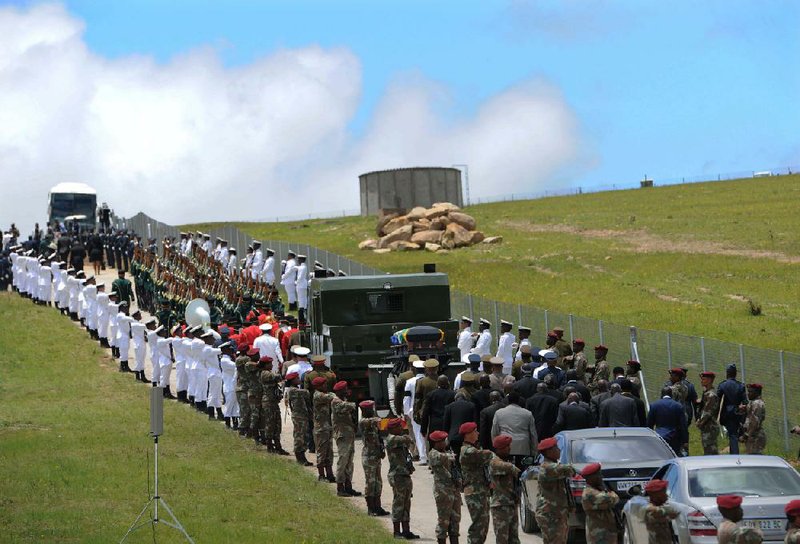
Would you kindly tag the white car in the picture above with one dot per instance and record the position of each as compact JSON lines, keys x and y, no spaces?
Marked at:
{"x":693,"y":484}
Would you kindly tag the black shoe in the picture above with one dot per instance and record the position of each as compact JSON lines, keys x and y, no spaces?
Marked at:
{"x":220,"y":417}
{"x":210,"y":412}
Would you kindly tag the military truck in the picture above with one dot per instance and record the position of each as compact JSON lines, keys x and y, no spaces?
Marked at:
{"x":353,"y":319}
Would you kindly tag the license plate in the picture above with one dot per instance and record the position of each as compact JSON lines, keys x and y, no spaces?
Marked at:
{"x":624,"y":486}
{"x":764,"y":524}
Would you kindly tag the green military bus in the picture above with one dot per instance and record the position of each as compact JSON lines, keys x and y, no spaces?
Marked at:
{"x":353,"y":318}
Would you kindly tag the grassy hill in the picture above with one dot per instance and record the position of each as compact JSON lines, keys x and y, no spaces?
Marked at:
{"x":74,"y":455}
{"x":685,"y":258}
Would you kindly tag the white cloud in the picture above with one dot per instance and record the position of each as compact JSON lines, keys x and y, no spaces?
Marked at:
{"x":193,"y":140}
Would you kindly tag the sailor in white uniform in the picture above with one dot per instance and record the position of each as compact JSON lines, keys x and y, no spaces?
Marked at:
{"x":505,"y":346}
{"x":258,"y":261}
{"x":214,"y":380}
{"x":233,"y":263}
{"x":269,"y":268}
{"x":207,"y":245}
{"x":139,"y":346}
{"x":301,"y":364}
{"x":124,"y":322}
{"x":301,"y":285}
{"x":483,"y":344}
{"x":289,"y":280}
{"x":269,"y":346}
{"x":524,"y":340}
{"x":101,"y":304}
{"x":465,"y":340}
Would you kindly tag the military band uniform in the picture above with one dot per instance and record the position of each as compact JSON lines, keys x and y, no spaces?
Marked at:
{"x":322,"y":428}
{"x":552,"y":504}
{"x":371,"y":454}
{"x":343,"y":415}
{"x":474,"y":465}
{"x":446,"y":493}
{"x":400,"y":470}
{"x":505,"y":501}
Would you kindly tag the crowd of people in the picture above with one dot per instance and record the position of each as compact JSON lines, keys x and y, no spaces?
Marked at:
{"x":473,"y":434}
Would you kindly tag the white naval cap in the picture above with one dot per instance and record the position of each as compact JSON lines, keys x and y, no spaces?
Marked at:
{"x":465,"y":318}
{"x":504,"y":322}
{"x":485,"y":321}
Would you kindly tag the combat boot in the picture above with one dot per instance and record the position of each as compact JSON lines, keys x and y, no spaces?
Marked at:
{"x":301,"y":458}
{"x":320,"y":473}
{"x":453,"y":539}
{"x":407,"y":534}
{"x":329,"y":474}
{"x":379,"y":511}
{"x":220,"y":417}
{"x":441,"y":541}
{"x":278,"y":448}
{"x":396,"y":530}
{"x":348,"y":486}
{"x":340,"y":490}
{"x":243,"y":431}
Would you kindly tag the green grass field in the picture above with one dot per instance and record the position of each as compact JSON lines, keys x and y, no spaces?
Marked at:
{"x":74,"y":447}
{"x":680,"y":258}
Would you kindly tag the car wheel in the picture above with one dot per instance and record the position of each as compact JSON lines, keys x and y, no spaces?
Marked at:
{"x":527,"y":519}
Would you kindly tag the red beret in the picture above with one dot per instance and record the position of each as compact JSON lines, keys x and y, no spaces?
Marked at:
{"x":501,"y":441}
{"x":634,"y":363}
{"x":265,"y":359}
{"x":707,"y":374}
{"x":340,"y":386}
{"x":467,"y":427}
{"x":366,"y":404}
{"x":552,"y":334}
{"x":319,"y":380}
{"x":601,"y":347}
{"x":395,"y":423}
{"x":678,"y":371}
{"x":438,"y":436}
{"x":729,"y":501}
{"x":579,"y":341}
{"x":755,"y":386}
{"x":292,"y":375}
{"x":654,"y":486}
{"x":546,"y":444}
{"x":792,"y":508}
{"x":591,"y":468}
{"x":252,"y":351}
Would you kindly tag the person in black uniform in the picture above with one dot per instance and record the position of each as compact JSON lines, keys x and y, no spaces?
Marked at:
{"x":455,"y":414}
{"x":77,"y":254}
{"x":732,"y":396}
{"x":434,"y":405}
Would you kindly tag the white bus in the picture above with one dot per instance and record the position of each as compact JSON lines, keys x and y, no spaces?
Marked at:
{"x":67,"y":200}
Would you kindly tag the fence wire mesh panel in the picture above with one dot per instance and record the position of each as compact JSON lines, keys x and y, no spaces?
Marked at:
{"x":658,"y":351}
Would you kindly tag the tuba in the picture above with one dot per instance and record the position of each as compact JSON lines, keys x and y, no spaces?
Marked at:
{"x":198,"y":314}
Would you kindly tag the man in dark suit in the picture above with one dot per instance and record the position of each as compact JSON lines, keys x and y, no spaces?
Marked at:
{"x":668,"y":418}
{"x":526,"y":386}
{"x":481,"y":396}
{"x":434,"y":404}
{"x":732,"y":395}
{"x":603,"y":394}
{"x":457,"y":412}
{"x":580,"y":388}
{"x":487,"y":418}
{"x":619,"y":411}
{"x":573,"y":415}
{"x":545,"y":411}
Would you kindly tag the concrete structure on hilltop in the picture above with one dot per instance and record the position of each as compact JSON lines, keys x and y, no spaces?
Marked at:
{"x":405,"y":188}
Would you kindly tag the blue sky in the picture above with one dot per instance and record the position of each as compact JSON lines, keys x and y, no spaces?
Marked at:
{"x":667,"y":89}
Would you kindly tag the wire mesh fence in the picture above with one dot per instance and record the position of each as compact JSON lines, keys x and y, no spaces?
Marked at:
{"x":658,"y":351}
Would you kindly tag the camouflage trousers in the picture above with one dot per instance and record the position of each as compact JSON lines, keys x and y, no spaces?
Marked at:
{"x":448,"y":510}
{"x":346,"y":449}
{"x":755,"y":444}
{"x":709,"y":437}
{"x":324,"y":445}
{"x":402,"y":487}
{"x":554,"y":526}
{"x":299,"y":430}
{"x":478,"y":507}
{"x":599,"y":535}
{"x":244,"y":409}
{"x":256,"y":414}
{"x":506,"y":524}
{"x":271,"y":419}
{"x":373,"y":483}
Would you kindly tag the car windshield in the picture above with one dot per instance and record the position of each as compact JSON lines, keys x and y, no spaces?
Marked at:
{"x":747,"y":481}
{"x":619,"y":449}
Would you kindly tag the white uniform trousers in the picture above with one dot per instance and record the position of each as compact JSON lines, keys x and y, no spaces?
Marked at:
{"x":214,"y":391}
{"x":139,"y":353}
{"x":181,"y":375}
{"x":231,"y":408}
{"x":291,"y":293}
{"x":165,"y":370}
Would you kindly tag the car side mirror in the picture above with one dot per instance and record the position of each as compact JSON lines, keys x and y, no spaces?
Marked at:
{"x":635,"y":491}
{"x":528,"y":461}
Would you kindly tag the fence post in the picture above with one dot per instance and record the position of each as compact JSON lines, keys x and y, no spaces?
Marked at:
{"x":571,"y":327}
{"x":600,"y":331}
{"x":471,"y":309}
{"x":741,"y":362}
{"x":785,"y":415}
{"x":546,"y":323}
{"x":703,"y":351}
{"x":496,"y":321}
{"x":519,"y":315}
{"x":669,"y":350}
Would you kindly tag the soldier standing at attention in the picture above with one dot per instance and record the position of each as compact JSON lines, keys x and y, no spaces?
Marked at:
{"x":709,"y":411}
{"x":601,"y":371}
{"x":343,"y":414}
{"x":658,"y":514}
{"x":424,"y":387}
{"x":505,"y":349}
{"x":579,"y":361}
{"x":729,"y":532}
{"x":270,"y":402}
{"x":400,"y":385}
{"x":754,"y":437}
{"x":400,"y":469}
{"x":792,"y":510}
{"x":255,"y":393}
{"x":598,"y":504}
{"x":465,"y":340}
{"x":561,"y":346}
{"x":552,"y":505}
{"x":371,"y":454}
{"x":241,"y":390}
{"x":632,"y":373}
{"x":322,"y":429}
{"x":123,"y":288}
{"x":505,"y":498}
{"x":446,"y":488}
{"x":474,"y":464}
{"x":299,"y":402}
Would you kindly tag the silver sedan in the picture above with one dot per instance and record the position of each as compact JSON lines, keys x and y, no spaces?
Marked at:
{"x":693,"y":484}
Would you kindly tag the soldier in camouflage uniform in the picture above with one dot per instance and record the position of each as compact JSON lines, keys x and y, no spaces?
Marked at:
{"x":318,"y":369}
{"x":709,"y":412}
{"x":632,"y":371}
{"x":343,"y":415}
{"x":270,"y":405}
{"x":658,"y":514}
{"x":598,"y":504}
{"x":400,"y":469}
{"x":241,"y":392}
{"x":372,"y":452}
{"x":446,"y":488}
{"x":578,"y":359}
{"x":255,"y":393}
{"x":322,"y":429}
{"x":299,"y":403}
{"x":505,"y":494}
{"x":400,"y":385}
{"x":729,"y":532}
{"x":474,"y":465}
{"x":553,"y":503}
{"x":754,"y":437}
{"x":792,"y":510}
{"x":678,"y":386}
{"x":601,"y":370}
